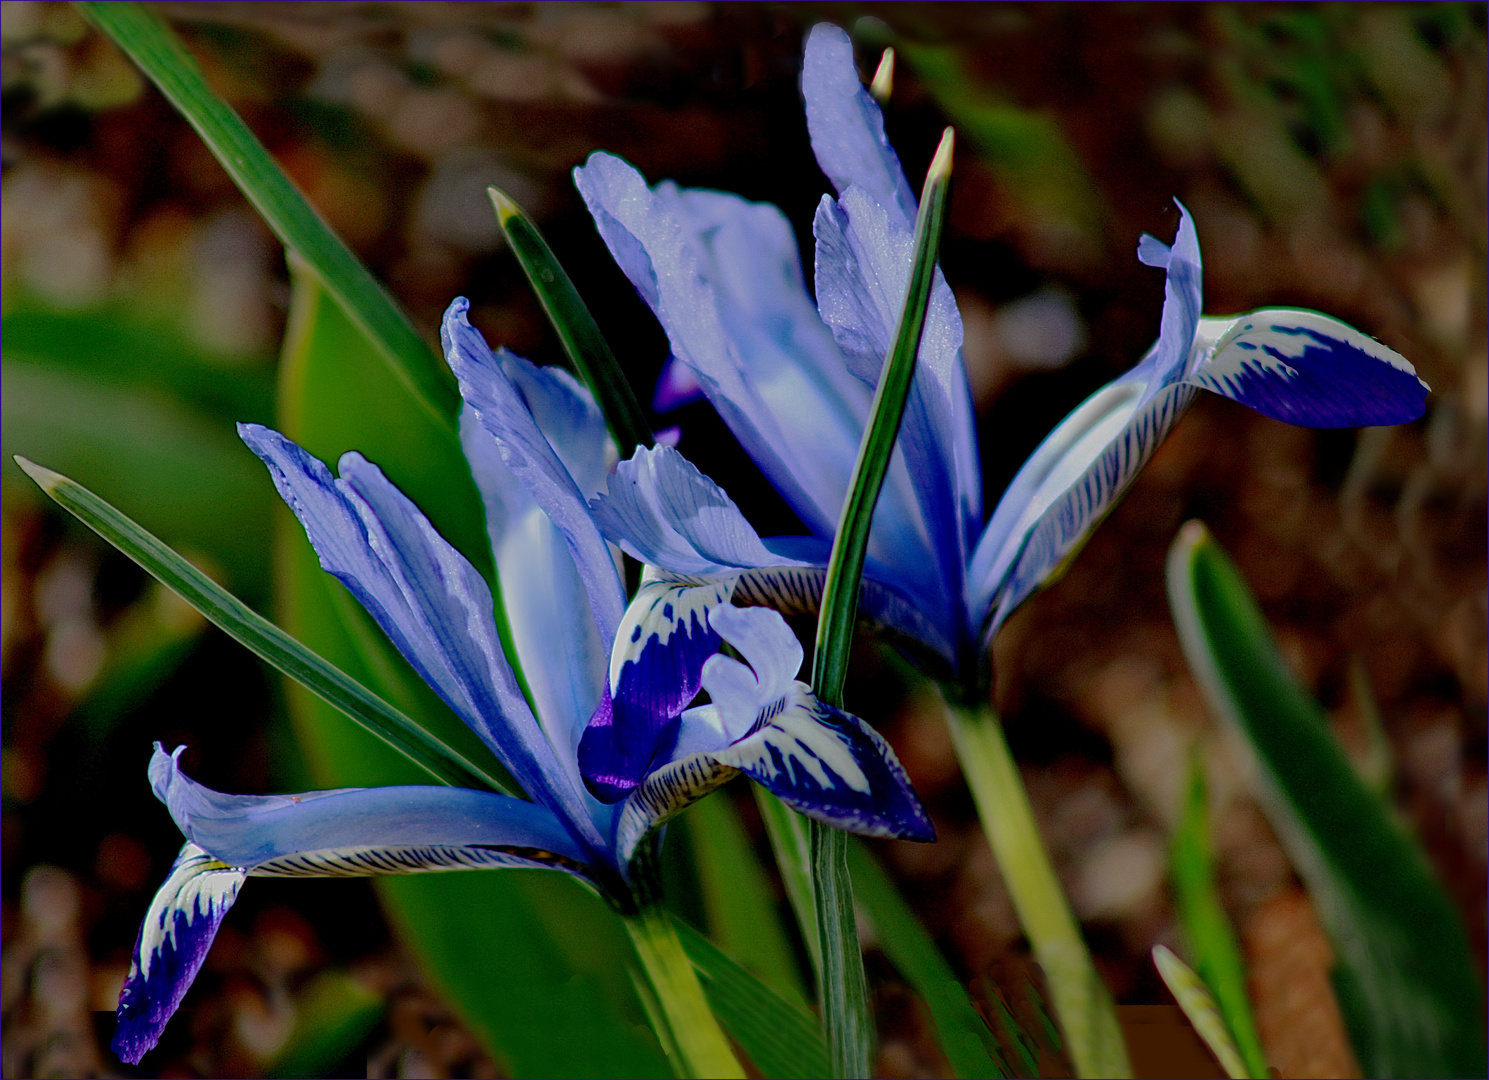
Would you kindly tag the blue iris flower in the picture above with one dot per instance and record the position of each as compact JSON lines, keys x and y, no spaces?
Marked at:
{"x":537,"y":447}
{"x":793,"y":379}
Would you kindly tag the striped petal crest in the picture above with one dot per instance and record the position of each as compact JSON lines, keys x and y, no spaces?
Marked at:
{"x":762,"y":721}
{"x":655,"y":669}
{"x":173,"y":942}
{"x":360,"y":832}
{"x":1307,"y":369}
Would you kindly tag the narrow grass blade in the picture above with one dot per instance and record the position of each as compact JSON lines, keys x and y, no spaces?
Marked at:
{"x":1406,"y":983}
{"x":1208,"y":930}
{"x":260,"y":635}
{"x":969,"y":1044}
{"x":882,"y":85}
{"x":791,"y":841}
{"x":151,"y":44}
{"x":843,"y":987}
{"x":681,"y":1013}
{"x":743,"y":916}
{"x":781,"y":1039}
{"x":576,"y":328}
{"x":1195,"y":999}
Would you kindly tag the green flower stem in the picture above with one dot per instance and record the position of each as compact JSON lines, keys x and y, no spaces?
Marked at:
{"x":689,"y":1029}
{"x":1082,"y":1004}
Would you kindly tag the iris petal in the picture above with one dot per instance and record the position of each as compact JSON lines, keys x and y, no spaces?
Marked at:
{"x":173,"y":942}
{"x":427,"y":598}
{"x":724,"y":278}
{"x":1308,"y":369}
{"x":559,"y":648}
{"x":833,"y":767}
{"x":363,"y":831}
{"x":519,"y":405}
{"x":666,"y":513}
{"x":656,"y":666}
{"x":847,"y":127}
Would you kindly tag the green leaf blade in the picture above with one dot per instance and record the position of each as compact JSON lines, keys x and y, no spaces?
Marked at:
{"x":1409,"y":993}
{"x":156,"y":50}
{"x":1208,"y":929}
{"x":781,"y":1039}
{"x":969,"y":1044}
{"x":582,"y":340}
{"x":258,"y":634}
{"x":842,"y":984}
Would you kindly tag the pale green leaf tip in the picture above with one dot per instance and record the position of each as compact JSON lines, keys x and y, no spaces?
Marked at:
{"x":506,"y":206}
{"x":1199,"y":1006}
{"x":940,"y":170}
{"x":883,"y":83}
{"x":48,"y":480}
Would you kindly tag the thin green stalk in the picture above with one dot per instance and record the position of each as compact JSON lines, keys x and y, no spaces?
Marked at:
{"x":586,"y":347}
{"x":269,"y":642}
{"x":843,"y":988}
{"x":688,"y":1026}
{"x":150,"y":43}
{"x":1082,"y":1004}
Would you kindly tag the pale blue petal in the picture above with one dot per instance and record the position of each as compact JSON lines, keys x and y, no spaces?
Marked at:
{"x":364,"y":831}
{"x":427,"y":598}
{"x":724,"y":279}
{"x":831,"y":766}
{"x":1183,"y":298}
{"x":768,"y":646}
{"x":1307,"y":369}
{"x":173,"y":941}
{"x":846,"y":126}
{"x":531,"y":413}
{"x":559,"y":648}
{"x":1085,"y":465}
{"x":661,"y":510}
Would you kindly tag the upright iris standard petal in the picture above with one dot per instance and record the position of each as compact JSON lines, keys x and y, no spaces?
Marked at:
{"x":864,"y":258}
{"x":762,"y":721}
{"x":1304,"y":368}
{"x":846,"y":125}
{"x":559,"y":648}
{"x":724,"y":279}
{"x":428,"y":599}
{"x":173,"y":943}
{"x":507,"y":393}
{"x":667,"y":513}
{"x":355,"y":832}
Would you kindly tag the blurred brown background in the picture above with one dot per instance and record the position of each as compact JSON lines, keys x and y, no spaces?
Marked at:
{"x":1334,"y":157}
